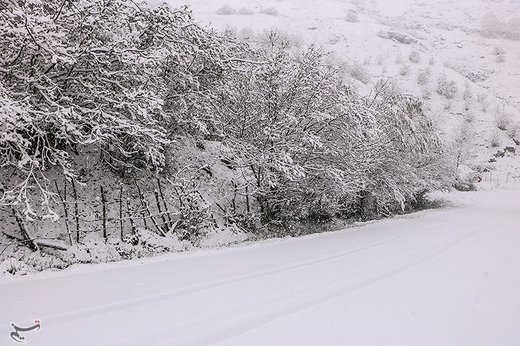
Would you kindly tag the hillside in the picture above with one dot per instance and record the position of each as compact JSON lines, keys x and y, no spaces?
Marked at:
{"x":412,"y":44}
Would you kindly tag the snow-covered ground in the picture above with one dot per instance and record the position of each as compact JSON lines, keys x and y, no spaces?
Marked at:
{"x":442,"y":277}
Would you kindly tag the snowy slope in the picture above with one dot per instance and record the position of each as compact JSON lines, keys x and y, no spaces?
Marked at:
{"x":445,"y":277}
{"x":450,"y":38}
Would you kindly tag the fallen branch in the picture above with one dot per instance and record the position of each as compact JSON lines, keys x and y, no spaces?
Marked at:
{"x":38,"y":241}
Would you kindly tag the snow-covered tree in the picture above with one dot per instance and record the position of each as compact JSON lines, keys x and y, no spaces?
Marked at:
{"x":104,"y":73}
{"x":313,"y":146}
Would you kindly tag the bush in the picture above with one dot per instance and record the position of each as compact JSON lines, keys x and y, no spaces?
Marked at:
{"x":499,"y":54}
{"x":469,"y":117}
{"x":503,"y":120}
{"x":404,"y":70}
{"x":357,"y":71}
{"x":245,"y":11}
{"x":482,"y":98}
{"x":270,"y":11}
{"x":415,"y":57}
{"x":446,"y":88}
{"x":461,"y":185}
{"x":423,"y":77}
{"x":500,"y":58}
{"x":513,"y":131}
{"x":352,"y":17}
{"x":495,"y":139}
{"x":290,"y":40}
{"x":226,"y":10}
{"x":499,"y":51}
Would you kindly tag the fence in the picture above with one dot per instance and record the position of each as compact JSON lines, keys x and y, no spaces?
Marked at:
{"x":500,"y":178}
{"x":121,"y":209}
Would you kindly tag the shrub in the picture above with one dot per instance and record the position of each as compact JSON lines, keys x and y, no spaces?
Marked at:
{"x":514,"y":131}
{"x":245,"y":11}
{"x":446,"y":88}
{"x":495,"y":139}
{"x":499,"y":54}
{"x":357,"y":71}
{"x":415,"y":57}
{"x":465,"y":186}
{"x":469,"y":117}
{"x":270,"y":11}
{"x":226,"y":10}
{"x":290,"y":40}
{"x":423,"y":77}
{"x":484,"y":105}
{"x":352,"y":17}
{"x":503,"y":120}
{"x":482,"y":98}
{"x":500,"y":58}
{"x":404,"y":70}
{"x":499,"y":51}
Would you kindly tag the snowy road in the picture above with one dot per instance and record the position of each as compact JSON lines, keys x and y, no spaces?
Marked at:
{"x":444,"y":277}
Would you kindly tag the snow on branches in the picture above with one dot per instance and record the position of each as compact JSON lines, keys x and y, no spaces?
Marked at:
{"x":103,"y":73}
{"x":314,"y":147}
{"x":127,"y":78}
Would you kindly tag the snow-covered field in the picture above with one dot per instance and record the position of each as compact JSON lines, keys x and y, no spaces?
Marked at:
{"x":442,"y":277}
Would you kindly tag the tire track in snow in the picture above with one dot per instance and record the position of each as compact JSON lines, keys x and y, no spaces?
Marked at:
{"x":129,"y":303}
{"x":252,"y":319}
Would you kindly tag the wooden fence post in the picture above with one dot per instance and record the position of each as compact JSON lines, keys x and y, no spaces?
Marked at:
{"x":166,"y":209}
{"x":247,"y":199}
{"x":143,"y":205}
{"x":163,"y":217}
{"x":25,"y":234}
{"x":104,"y":212}
{"x":76,"y":211}
{"x":65,"y":208}
{"x":121,"y":222}
{"x":132,"y":225}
